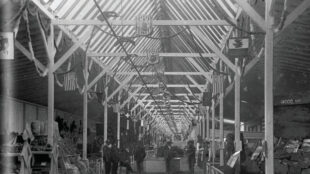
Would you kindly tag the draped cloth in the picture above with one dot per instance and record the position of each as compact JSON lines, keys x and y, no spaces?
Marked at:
{"x":26,"y":154}
{"x":55,"y":151}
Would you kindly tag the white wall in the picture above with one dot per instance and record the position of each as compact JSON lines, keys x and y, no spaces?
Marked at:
{"x":15,"y":114}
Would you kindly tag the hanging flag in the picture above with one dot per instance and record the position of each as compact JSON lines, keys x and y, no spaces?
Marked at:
{"x":70,"y":81}
{"x":233,"y":159}
{"x":238,"y":47}
{"x":7,"y":45}
{"x":217,"y":84}
{"x":144,"y":25}
{"x":152,"y":57}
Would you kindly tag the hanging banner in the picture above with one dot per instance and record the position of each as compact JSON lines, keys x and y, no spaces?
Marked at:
{"x":233,"y":159}
{"x":238,"y":47}
{"x":144,"y":25}
{"x":7,"y":45}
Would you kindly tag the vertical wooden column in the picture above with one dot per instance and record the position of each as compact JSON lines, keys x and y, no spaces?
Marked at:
{"x":237,"y":114}
{"x":105,"y":128}
{"x":85,"y":111}
{"x":203,"y":125}
{"x":221,"y":114}
{"x":213,"y":131}
{"x":208,"y":123}
{"x":119,"y":120}
{"x":269,"y":166}
{"x":51,"y":90}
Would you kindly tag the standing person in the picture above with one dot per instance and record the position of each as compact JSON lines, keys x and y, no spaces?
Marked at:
{"x":191,"y":151}
{"x":125,"y":160}
{"x":115,"y":158}
{"x":168,"y":154}
{"x":106,"y":153}
{"x":139,"y":156}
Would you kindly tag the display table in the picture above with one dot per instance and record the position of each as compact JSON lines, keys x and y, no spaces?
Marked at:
{"x":154,"y":165}
{"x":184,"y":164}
{"x":158,"y":165}
{"x":10,"y":156}
{"x":42,"y":161}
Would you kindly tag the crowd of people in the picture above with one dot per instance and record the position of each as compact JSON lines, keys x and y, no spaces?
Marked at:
{"x":114,"y":157}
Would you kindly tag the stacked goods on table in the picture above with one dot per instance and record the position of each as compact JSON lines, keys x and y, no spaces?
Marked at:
{"x":70,"y":160}
{"x":306,"y":145}
{"x":39,"y":130}
{"x":10,"y":149}
{"x":292,"y":156}
{"x":40,"y":143}
{"x":14,"y":143}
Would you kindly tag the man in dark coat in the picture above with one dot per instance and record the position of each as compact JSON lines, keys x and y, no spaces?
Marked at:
{"x":125,"y":160}
{"x":191,"y":151}
{"x":139,"y":156}
{"x":168,"y":155}
{"x":106,"y":151}
{"x":115,"y":158}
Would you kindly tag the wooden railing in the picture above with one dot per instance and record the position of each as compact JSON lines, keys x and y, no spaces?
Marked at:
{"x":212,"y":169}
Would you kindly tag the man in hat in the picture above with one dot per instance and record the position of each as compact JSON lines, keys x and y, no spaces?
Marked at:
{"x":106,"y":153}
{"x":139,"y":156}
{"x":168,"y":155}
{"x":191,"y":155}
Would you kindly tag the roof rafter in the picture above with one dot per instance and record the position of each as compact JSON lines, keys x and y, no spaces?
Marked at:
{"x":133,"y":22}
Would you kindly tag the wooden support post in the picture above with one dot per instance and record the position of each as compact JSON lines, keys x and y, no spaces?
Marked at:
{"x":105,"y":128}
{"x":213,"y":131}
{"x":85,"y":111}
{"x":237,"y":114}
{"x":269,"y":166}
{"x":51,"y":90}
{"x":221,"y":114}
{"x":203,"y":125}
{"x":119,"y":120}
{"x":208,"y":123}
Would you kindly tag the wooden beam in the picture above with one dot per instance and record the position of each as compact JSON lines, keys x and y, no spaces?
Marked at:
{"x":221,"y":114}
{"x":133,"y":22}
{"x":165,"y":55}
{"x":166,"y":73}
{"x":119,"y":122}
{"x":120,"y":86}
{"x":63,"y":28}
{"x":168,"y":85}
{"x":297,"y":12}
{"x":199,"y":68}
{"x":178,"y":94}
{"x":194,"y":82}
{"x":85,"y":110}
{"x":237,"y":114}
{"x":102,"y":73}
{"x":208,"y":125}
{"x":213,"y":131}
{"x":21,"y":48}
{"x":268,"y":88}
{"x":105,"y":127}
{"x":214,"y":48}
{"x":257,"y":18}
{"x":130,"y":97}
{"x":51,"y":91}
{"x":68,"y":53}
{"x":248,"y":67}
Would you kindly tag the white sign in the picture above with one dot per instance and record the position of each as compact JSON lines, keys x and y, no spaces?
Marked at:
{"x":7,"y":45}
